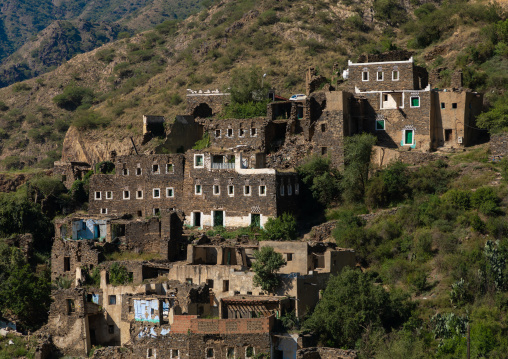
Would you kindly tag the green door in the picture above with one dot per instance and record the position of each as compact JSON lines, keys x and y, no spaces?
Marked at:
{"x":409,"y":137}
{"x":218,"y":218}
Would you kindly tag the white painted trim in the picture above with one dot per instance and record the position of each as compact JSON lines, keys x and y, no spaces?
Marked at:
{"x":99,"y":197}
{"x":111,"y":194}
{"x":231,"y":194}
{"x":382,"y":76}
{"x":426,"y":89}
{"x":380,"y":63}
{"x":410,"y":101}
{"x":262,"y":194}
{"x":196,"y":155}
{"x":139,"y":197}
{"x":213,"y":190}
{"x":172,"y":192}
{"x":398,"y":75}
{"x":195,"y":189}
{"x":153,"y":193}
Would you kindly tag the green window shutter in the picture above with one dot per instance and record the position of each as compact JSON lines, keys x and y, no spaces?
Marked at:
{"x":380,"y":124}
{"x":415,"y":101}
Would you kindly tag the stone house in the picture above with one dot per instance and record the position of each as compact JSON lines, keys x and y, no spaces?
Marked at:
{"x":394,"y":100}
{"x":221,"y":188}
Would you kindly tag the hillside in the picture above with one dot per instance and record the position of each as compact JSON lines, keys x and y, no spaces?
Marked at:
{"x":29,"y":28}
{"x":148,"y":73}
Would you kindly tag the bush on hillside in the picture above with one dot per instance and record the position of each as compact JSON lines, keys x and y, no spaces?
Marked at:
{"x":282,"y":228}
{"x":74,"y":97}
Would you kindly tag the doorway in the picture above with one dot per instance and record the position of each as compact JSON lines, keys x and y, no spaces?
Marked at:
{"x":218,"y":218}
{"x":197,"y":219}
{"x":255,"y":220}
{"x":448,"y":135}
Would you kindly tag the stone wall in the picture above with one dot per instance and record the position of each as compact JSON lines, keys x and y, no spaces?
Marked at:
{"x":201,"y":104}
{"x":326,"y":353}
{"x":237,"y":194}
{"x":70,"y":171}
{"x":183,"y":134}
{"x":499,"y":144}
{"x":229,"y":133}
{"x":69,"y":255}
{"x":201,"y":345}
{"x":398,"y":121}
{"x":406,"y":76}
{"x":134,"y":187}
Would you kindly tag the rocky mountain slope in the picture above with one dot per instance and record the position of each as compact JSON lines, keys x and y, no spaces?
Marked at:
{"x":35,"y":33}
{"x":150,"y":72}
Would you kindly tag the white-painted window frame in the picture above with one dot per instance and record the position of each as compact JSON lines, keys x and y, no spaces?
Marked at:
{"x":153,"y":193}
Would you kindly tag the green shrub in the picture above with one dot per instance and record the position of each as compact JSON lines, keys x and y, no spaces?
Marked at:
{"x":202,"y":143}
{"x":13,"y":163}
{"x":321,"y":179}
{"x":175,"y":99}
{"x":282,"y":228}
{"x":106,"y":55}
{"x":244,"y":110}
{"x":118,"y":275}
{"x":20,"y":87}
{"x":3,"y":106}
{"x":458,"y":199}
{"x":87,"y":119}
{"x":74,"y":97}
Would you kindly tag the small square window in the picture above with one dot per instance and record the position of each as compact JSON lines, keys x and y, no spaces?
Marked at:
{"x":155,"y":168}
{"x":395,"y":75}
{"x":198,"y":161}
{"x":156,"y":211}
{"x":138,"y":171}
{"x":241,"y":132}
{"x":230,"y":353}
{"x":209,"y":352}
{"x":104,"y":211}
{"x":170,"y":192}
{"x":262,"y":190}
{"x":156,"y":193}
{"x":97,"y":195}
{"x":231,"y":190}
{"x":126,"y":195}
{"x":365,"y":76}
{"x":249,"y":352}
{"x":139,"y":194}
{"x":380,"y":125}
{"x":443,"y":105}
{"x":175,"y":353}
{"x":188,"y":280}
{"x":170,"y":168}
{"x":289,"y":257}
{"x":324,"y":151}
{"x":253,"y":132}
{"x":210,"y":283}
{"x":415,"y":101}
{"x":380,"y":75}
{"x":197,"y":189}
{"x":150,"y":353}
{"x":111,"y":329}
{"x":217,"y":133}
{"x":109,"y":195}
{"x":140,"y":213}
{"x":225,"y":285}
{"x":216,"y":189}
{"x":67,"y":264}
{"x":230,"y":132}
{"x":323,"y":127}
{"x":454,"y":105}
{"x":125,"y":172}
{"x":112,"y":300}
{"x":246,"y":190}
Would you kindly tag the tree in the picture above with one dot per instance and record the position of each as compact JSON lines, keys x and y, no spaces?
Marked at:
{"x":280,"y":229}
{"x":267,"y":263}
{"x":357,"y":155}
{"x":350,"y":304}
{"x":22,"y":292}
{"x":321,"y":179}
{"x":247,"y":85}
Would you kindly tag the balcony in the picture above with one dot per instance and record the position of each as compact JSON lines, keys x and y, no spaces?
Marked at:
{"x":223,"y":166}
